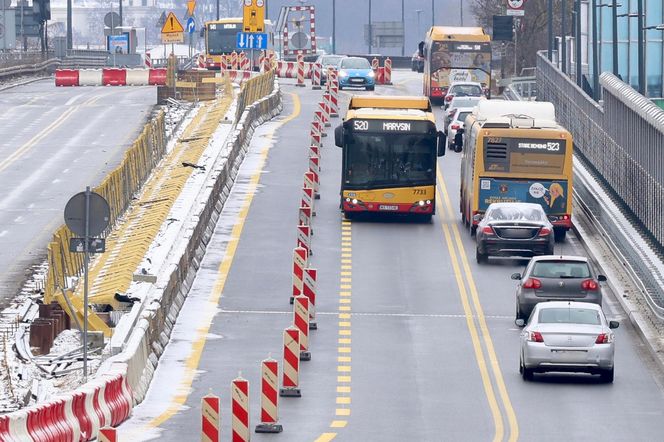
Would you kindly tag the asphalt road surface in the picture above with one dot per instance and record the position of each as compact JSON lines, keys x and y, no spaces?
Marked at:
{"x":415,"y":341}
{"x":54,"y":142}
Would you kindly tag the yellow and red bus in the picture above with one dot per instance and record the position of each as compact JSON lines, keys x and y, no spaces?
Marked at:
{"x":514,"y":151}
{"x":221,"y":39}
{"x":390,"y":149}
{"x":454,"y":54}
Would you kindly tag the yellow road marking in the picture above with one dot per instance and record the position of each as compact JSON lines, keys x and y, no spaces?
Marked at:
{"x":194,"y":357}
{"x":344,"y":308}
{"x":341,"y":378}
{"x":343,"y":412}
{"x":343,"y":349}
{"x":326,"y":437}
{"x":486,"y":337}
{"x":343,"y":400}
{"x":338,"y":424}
{"x":344,"y":323}
{"x":343,"y":389}
{"x":344,"y":315}
{"x":344,"y":359}
{"x":344,"y":332}
{"x":344,"y":341}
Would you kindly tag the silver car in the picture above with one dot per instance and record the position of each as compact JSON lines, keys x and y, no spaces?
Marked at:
{"x":567,"y":336}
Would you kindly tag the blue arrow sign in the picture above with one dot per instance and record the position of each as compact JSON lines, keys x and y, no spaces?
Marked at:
{"x":251,"y":40}
{"x":191,"y":25}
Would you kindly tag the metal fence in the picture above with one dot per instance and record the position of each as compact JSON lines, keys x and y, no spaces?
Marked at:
{"x":620,"y":139}
{"x":10,"y":59}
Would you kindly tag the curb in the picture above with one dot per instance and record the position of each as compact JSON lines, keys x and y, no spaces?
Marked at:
{"x":23,"y":83}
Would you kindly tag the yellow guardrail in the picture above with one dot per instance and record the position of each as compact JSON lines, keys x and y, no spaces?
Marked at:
{"x":128,"y":241}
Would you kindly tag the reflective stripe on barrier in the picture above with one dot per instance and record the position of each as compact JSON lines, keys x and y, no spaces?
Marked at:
{"x":138,"y":77}
{"x":291,"y":367}
{"x":66,"y":77}
{"x":301,"y":323}
{"x":240,"y":410}
{"x":113,"y":77}
{"x":89,"y":77}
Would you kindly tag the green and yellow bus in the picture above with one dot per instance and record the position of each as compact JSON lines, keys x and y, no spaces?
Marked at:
{"x":515,"y":151}
{"x":390,"y":149}
{"x":454,"y":54}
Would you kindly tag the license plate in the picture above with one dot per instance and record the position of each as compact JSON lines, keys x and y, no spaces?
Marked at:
{"x":357,"y":80}
{"x":384,"y":207}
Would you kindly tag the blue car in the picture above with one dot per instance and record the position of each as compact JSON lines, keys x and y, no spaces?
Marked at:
{"x":356,"y":72}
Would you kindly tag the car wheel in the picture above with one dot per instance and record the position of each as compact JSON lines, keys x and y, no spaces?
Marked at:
{"x":340,"y":87}
{"x":519,"y":315}
{"x":481,"y":258}
{"x":526,"y":373}
{"x":607,"y":376}
{"x":560,"y":235}
{"x":370,"y":88}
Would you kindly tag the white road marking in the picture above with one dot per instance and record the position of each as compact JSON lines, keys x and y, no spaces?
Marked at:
{"x":3,"y":233}
{"x":18,"y":219}
{"x":72,"y":100}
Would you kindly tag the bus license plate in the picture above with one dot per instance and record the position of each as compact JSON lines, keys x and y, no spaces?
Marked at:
{"x":385,"y":207}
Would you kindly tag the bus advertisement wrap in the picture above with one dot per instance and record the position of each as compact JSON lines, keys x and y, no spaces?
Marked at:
{"x":452,"y":62}
{"x":551,"y":195}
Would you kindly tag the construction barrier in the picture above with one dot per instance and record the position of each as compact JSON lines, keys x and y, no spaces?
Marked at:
{"x":288,"y":69}
{"x":234,"y":61}
{"x":315,"y":151}
{"x":89,"y":77}
{"x":380,"y":75}
{"x":314,"y":170}
{"x":253,"y":90}
{"x":316,"y":74}
{"x":66,"y":77}
{"x":300,"y":70}
{"x":262,"y":58}
{"x":315,"y":134}
{"x":137,"y":77}
{"x":308,"y":199}
{"x":374,"y":64}
{"x":388,"y":71}
{"x":304,"y":239}
{"x":309,"y":290}
{"x":320,"y":119}
{"x":108,"y":434}
{"x":300,"y":260}
{"x":210,"y":418}
{"x":334,"y":93}
{"x":326,"y":107}
{"x":110,"y":77}
{"x":290,"y":382}
{"x":148,"y":60}
{"x":269,"y":398}
{"x":113,"y":77}
{"x":301,"y":323}
{"x":304,"y":216}
{"x":240,"y":410}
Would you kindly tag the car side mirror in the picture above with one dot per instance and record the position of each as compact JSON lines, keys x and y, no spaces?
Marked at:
{"x":516,"y":276}
{"x":442,"y":143}
{"x":339,"y":135}
{"x":520,"y":322}
{"x":601,"y":278}
{"x":420,"y":49}
{"x":458,"y":140}
{"x":614,"y":324}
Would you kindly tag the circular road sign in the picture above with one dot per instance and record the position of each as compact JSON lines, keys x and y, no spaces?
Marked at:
{"x":112,"y":19}
{"x":299,"y":40}
{"x":515,"y":4}
{"x":99,"y":215}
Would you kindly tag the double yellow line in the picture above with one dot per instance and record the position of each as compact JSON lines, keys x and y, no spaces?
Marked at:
{"x":476,"y":322}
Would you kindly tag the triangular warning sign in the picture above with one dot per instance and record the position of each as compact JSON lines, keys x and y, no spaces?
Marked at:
{"x":172,"y":25}
{"x":191,"y":5}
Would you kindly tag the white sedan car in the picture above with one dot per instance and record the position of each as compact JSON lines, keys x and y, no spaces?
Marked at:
{"x":567,"y":336}
{"x":457,"y":121}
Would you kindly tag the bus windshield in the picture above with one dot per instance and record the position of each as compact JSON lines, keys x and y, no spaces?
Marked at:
{"x":380,"y":160}
{"x":221,"y":41}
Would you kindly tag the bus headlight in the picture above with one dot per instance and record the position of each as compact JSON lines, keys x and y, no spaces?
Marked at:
{"x":348,"y":200}
{"x":421,"y":203}
{"x":354,"y":200}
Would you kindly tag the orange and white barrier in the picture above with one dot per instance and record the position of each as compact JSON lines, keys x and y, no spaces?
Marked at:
{"x":240,"y":409}
{"x":308,"y":196}
{"x":269,"y":398}
{"x":304,"y":216}
{"x":315,"y":151}
{"x":380,"y":75}
{"x":238,"y":77}
{"x":300,"y":70}
{"x":290,"y":382}
{"x":388,"y":71}
{"x":210,"y":418}
{"x":261,"y":61}
{"x":234,"y":61}
{"x":300,"y":260}
{"x":108,"y":434}
{"x":334,"y":94}
{"x":327,"y":108}
{"x":374,"y":64}
{"x":316,"y":74}
{"x":315,"y":134}
{"x":301,"y":322}
{"x":245,"y":64}
{"x":304,"y":240}
{"x":321,"y":121}
{"x":309,"y":290}
{"x":314,"y":169}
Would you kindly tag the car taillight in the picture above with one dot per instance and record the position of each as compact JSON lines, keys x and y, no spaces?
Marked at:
{"x":604,"y":338}
{"x":449,"y":97}
{"x":535,"y":337}
{"x":544,"y":231}
{"x":455,"y":126}
{"x":532,"y":283}
{"x":487,"y":230}
{"x":589,"y":284}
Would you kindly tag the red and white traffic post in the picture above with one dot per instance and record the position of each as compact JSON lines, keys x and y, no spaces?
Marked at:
{"x":300,"y":70}
{"x":315,"y":134}
{"x":320,"y":120}
{"x":234,"y":61}
{"x":300,"y":261}
{"x":308,"y":199}
{"x":314,"y":151}
{"x":309,"y":290}
{"x":314,"y":169}
{"x":334,"y":92}
{"x":304,"y":216}
{"x":240,"y":409}
{"x":290,"y":383}
{"x":108,"y":434}
{"x":269,"y":398}
{"x":316,"y":73}
{"x":388,"y":71}
{"x":322,"y":105}
{"x":304,"y":238}
{"x":301,"y":322}
{"x":310,"y":181}
{"x":210,"y":418}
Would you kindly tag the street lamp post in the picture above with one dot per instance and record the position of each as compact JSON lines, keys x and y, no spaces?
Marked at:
{"x":614,"y":18}
{"x":549,"y":24}
{"x":563,"y":33}
{"x":334,"y":26}
{"x":595,"y":55}
{"x":577,"y":43}
{"x":370,"y":36}
{"x":642,"y":61}
{"x":403,"y":29}
{"x":433,"y":14}
{"x":658,"y":28}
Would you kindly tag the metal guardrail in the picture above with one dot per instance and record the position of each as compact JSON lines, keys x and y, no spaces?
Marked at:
{"x":620,"y":141}
{"x":11,"y":59}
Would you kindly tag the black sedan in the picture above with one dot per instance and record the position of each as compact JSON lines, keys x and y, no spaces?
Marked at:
{"x":514,"y":229}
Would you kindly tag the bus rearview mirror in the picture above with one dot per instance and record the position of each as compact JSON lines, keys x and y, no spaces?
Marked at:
{"x":420,"y":49}
{"x":441,"y":143}
{"x":339,"y":135}
{"x":458,"y":140}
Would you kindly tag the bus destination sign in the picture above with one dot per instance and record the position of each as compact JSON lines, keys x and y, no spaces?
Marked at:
{"x":397,"y":126}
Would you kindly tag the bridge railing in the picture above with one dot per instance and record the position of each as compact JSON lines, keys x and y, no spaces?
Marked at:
{"x":622,"y":141}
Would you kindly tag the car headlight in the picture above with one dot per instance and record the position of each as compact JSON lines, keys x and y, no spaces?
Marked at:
{"x":372,"y":74}
{"x":343,"y":73}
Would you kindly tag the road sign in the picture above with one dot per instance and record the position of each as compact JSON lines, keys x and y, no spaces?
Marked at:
{"x":515,"y":7}
{"x":95,"y":245}
{"x":98,"y":218}
{"x":172,"y":30}
{"x":112,"y":20}
{"x":253,"y":16}
{"x":249,"y":40}
{"x":191,"y":25}
{"x":191,"y":5}
{"x":162,"y":20}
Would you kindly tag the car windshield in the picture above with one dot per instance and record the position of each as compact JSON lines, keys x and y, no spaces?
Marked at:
{"x":379,"y":160}
{"x":462,"y":116}
{"x":462,"y":90}
{"x":561,"y":269}
{"x":516,"y":213}
{"x":569,"y":316}
{"x":330,"y":60}
{"x":355,"y":63}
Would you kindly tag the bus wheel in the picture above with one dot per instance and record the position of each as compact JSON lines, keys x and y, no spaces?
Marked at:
{"x":560,"y":235}
{"x":426,"y":219}
{"x":349,"y":215}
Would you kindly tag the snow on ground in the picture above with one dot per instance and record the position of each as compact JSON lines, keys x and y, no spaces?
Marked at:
{"x":170,"y":374}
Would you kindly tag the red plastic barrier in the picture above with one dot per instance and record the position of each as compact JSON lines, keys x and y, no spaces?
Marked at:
{"x":113,"y":77}
{"x":4,"y":428}
{"x":66,"y":77}
{"x":380,"y":75}
{"x":98,"y":408}
{"x":78,"y":406}
{"x":117,"y":400}
{"x":157,"y":77}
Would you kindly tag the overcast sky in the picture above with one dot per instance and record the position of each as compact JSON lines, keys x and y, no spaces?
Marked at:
{"x":352,"y":15}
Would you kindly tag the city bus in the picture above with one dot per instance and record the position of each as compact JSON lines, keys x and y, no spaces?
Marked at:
{"x":454,"y":54}
{"x":390,"y":149}
{"x":516,"y":152}
{"x":221,"y":39}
